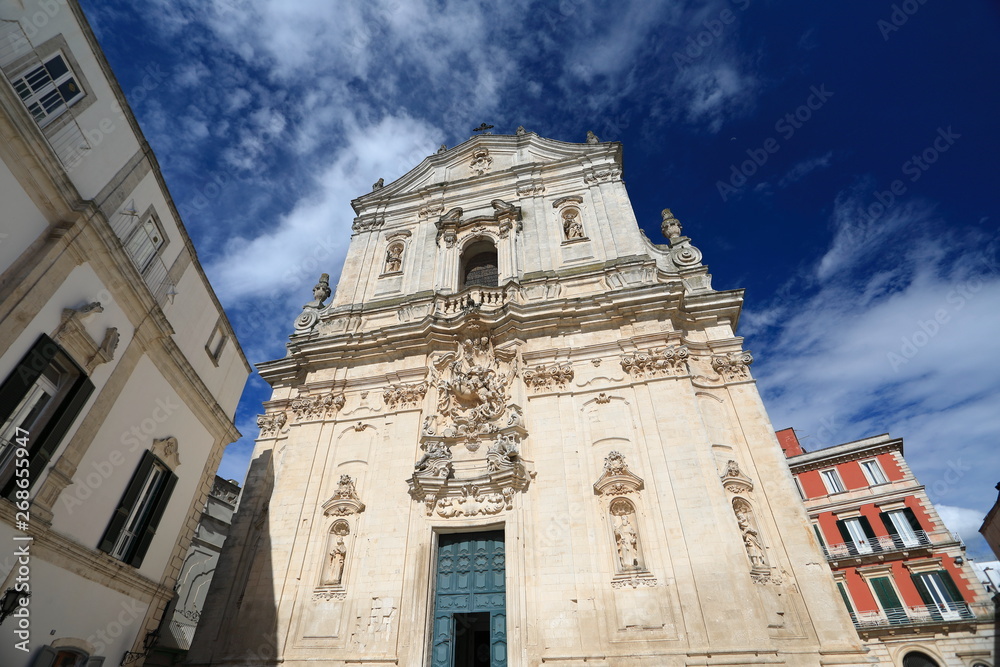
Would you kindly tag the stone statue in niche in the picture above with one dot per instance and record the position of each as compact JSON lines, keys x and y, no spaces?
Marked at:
{"x":572,"y":227}
{"x":751,"y":535}
{"x":626,"y":536}
{"x":321,"y":292}
{"x":336,"y":554}
{"x":394,"y":258}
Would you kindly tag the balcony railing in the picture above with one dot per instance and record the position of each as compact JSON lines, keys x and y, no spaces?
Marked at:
{"x":475,"y":298}
{"x":931,"y":613}
{"x":876,"y":545}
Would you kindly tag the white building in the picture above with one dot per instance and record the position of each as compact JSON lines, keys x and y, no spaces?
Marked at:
{"x":119,"y":372}
{"x":520,"y":434}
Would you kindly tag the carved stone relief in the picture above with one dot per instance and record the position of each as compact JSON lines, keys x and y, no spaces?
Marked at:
{"x":661,"y":361}
{"x":394,"y":258}
{"x":317,"y":407}
{"x":167,"y":451}
{"x":398,"y":395}
{"x":482,"y":162}
{"x":626,"y":538}
{"x":270,"y":425}
{"x":733,"y":366}
{"x":344,"y":500}
{"x":617,"y":479}
{"x":541,"y":377}
{"x":734,"y":480}
{"x":73,"y":336}
{"x":473,"y":385}
{"x":601,"y":175}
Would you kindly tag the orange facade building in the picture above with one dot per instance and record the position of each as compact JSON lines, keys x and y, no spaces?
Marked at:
{"x":902,"y":574}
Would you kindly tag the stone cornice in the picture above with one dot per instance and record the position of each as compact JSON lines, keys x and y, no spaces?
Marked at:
{"x":526,"y":319}
{"x":851,"y":451}
{"x":557,"y":152}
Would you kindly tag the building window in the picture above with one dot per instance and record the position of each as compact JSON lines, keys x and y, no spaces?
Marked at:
{"x":918,"y":659}
{"x":831,"y":478}
{"x":888,"y":600}
{"x":216,"y":343}
{"x":48,"y":89}
{"x":847,"y":600}
{"x":858,"y":535}
{"x":144,"y":241}
{"x":873,"y":472}
{"x":938,"y":591}
{"x":798,"y":487}
{"x":480,"y":266}
{"x":134,"y":523}
{"x":39,"y":401}
{"x":904,"y":528}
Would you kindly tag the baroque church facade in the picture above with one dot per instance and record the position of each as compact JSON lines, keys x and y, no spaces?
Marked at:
{"x":520,"y":433}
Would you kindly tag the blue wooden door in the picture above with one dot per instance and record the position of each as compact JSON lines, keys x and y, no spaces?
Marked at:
{"x":469,"y":601}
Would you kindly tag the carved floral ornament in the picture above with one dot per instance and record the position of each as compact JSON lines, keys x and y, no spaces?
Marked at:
{"x":617,"y":479}
{"x":602,"y":175}
{"x":270,"y":425}
{"x":320,"y":406}
{"x":734,"y":480}
{"x":660,"y":361}
{"x":404,"y":394}
{"x":733,"y":366}
{"x":541,"y":377}
{"x":345,"y":500}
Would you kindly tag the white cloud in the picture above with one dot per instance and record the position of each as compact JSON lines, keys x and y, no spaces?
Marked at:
{"x":313,"y":237}
{"x":961,"y":520}
{"x":802,"y":169}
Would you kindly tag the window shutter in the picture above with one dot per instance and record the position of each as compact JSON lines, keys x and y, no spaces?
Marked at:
{"x":45,"y":658}
{"x":889,"y":525}
{"x":922,"y":589}
{"x":867,"y":527}
{"x":847,"y":600}
{"x":128,"y":500}
{"x":912,"y":518}
{"x":154,"y":520}
{"x":25,"y":373}
{"x":949,"y":584}
{"x":844,"y":533}
{"x":53,"y":433}
{"x":819,"y":536}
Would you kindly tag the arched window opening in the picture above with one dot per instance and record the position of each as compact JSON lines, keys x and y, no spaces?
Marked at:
{"x":918,"y":659}
{"x":480,"y":266}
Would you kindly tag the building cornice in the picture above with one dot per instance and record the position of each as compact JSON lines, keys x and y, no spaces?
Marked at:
{"x":851,"y":451}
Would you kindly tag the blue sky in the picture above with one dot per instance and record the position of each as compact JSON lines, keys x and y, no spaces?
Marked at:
{"x":837,"y":160}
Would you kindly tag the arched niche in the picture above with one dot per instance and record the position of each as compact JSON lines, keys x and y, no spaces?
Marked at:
{"x":625,"y":533}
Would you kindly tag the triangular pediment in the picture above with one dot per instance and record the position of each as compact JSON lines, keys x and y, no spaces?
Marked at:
{"x":484,"y":155}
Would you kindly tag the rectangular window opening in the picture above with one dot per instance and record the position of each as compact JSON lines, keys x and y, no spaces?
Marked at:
{"x":48,"y":89}
{"x":873,"y":472}
{"x":831,"y":478}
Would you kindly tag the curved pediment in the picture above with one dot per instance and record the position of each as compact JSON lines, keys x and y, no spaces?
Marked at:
{"x":483,"y":155}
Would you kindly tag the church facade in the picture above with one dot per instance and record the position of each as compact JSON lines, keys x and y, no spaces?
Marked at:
{"x":520,"y":433}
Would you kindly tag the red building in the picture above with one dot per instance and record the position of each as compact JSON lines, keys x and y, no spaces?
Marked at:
{"x":901,"y":572}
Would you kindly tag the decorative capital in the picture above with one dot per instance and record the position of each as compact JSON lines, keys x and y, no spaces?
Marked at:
{"x":317,"y":407}
{"x":553,"y":375}
{"x":733,"y":366}
{"x":404,"y":394}
{"x":270,"y":425}
{"x":670,"y":361}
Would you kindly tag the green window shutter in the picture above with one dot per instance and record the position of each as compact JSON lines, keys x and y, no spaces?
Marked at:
{"x":922,"y":589}
{"x":890,"y":601}
{"x":25,"y":373}
{"x":129,"y":498}
{"x":54,"y":431}
{"x":847,"y":601}
{"x":949,"y":584}
{"x":819,"y":535}
{"x":163,"y":497}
